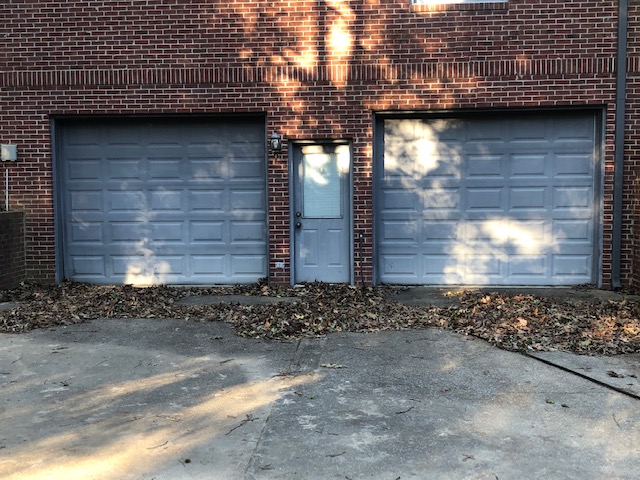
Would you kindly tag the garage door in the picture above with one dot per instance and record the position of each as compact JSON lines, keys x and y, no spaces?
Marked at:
{"x":487,"y":199}
{"x":168,"y":201}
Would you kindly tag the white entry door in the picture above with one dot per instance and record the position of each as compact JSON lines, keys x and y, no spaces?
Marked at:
{"x":321,"y":213}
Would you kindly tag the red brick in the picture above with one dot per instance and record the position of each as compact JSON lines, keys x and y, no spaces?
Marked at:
{"x":114,"y":57}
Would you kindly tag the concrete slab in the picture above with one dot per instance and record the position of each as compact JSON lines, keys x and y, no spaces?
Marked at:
{"x":432,"y":404}
{"x":134,"y":399}
{"x":448,"y":296}
{"x":619,"y":371}
{"x":8,"y":306}
{"x":167,"y":399}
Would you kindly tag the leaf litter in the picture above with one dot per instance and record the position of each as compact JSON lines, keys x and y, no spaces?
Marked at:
{"x":516,"y":322}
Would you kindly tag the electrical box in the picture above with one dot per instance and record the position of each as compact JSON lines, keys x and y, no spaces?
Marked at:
{"x":8,"y":153}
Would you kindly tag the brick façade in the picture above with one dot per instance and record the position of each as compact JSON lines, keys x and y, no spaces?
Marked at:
{"x":12,"y":252}
{"x":317,"y":70}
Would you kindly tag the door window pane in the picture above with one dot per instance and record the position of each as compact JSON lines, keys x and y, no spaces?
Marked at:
{"x":321,"y":189}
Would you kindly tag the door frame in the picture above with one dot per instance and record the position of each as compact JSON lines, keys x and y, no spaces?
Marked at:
{"x":295,"y":146}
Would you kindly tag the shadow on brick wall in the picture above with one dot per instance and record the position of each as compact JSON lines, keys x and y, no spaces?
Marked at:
{"x":12,"y":252}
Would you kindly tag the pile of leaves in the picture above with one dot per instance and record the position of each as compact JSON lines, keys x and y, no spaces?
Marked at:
{"x":528,"y":322}
{"x":510,"y":321}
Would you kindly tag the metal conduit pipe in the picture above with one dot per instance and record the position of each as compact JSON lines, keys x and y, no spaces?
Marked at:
{"x":618,"y":172}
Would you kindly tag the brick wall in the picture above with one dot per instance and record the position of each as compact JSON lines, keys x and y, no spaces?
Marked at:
{"x":319,"y":70}
{"x":12,"y":260}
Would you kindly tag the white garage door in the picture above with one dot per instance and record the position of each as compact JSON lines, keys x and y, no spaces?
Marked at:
{"x":169,"y":201}
{"x":487,"y":199}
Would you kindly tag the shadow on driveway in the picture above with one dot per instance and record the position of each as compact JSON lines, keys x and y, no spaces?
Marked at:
{"x":168,"y":399}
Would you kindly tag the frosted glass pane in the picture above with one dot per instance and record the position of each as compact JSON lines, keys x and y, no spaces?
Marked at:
{"x":321,"y":185}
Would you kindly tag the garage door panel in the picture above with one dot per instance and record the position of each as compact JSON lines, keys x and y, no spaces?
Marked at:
{"x":491,"y":130}
{"x":123,"y":232}
{"x":160,"y":134}
{"x":443,"y":165}
{"x":125,"y":201}
{"x":533,"y":142}
{"x":482,"y":166}
{"x":527,"y":198}
{"x":168,"y":232}
{"x":246,"y":170}
{"x":209,"y":200}
{"x":521,"y":211}
{"x":572,"y":231}
{"x":91,"y":266}
{"x":247,"y":265}
{"x":505,"y":234}
{"x":400,"y":200}
{"x":528,"y":165}
{"x":573,"y":128}
{"x":489,"y":199}
{"x":528,"y":233}
{"x":403,"y":130}
{"x":439,"y":231}
{"x":87,"y":233}
{"x":118,"y":170}
{"x":89,"y":136}
{"x":481,"y":231}
{"x":528,"y":266}
{"x":247,"y":232}
{"x":119,"y":151}
{"x":197,"y":151}
{"x":86,"y":201}
{"x":164,"y":201}
{"x":84,"y":169}
{"x":113,"y":135}
{"x":576,"y":266}
{"x":162,"y":170}
{"x":247,"y":203}
{"x":402,"y":215}
{"x":477,"y":268}
{"x":169,"y":265}
{"x":573,"y":166}
{"x":128,"y":266}
{"x":207,"y":170}
{"x":206,"y":232}
{"x":248,"y":136}
{"x":206,"y":266}
{"x":435,"y":265}
{"x":446,"y":199}
{"x":412,"y":154}
{"x":402,"y":231}
{"x":573,"y":198}
{"x":400,"y":267}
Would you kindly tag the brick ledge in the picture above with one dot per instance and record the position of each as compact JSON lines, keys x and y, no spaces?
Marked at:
{"x":457,"y":7}
{"x":251,"y":75}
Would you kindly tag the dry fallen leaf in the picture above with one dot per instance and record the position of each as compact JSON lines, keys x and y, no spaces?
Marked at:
{"x":332,"y":365}
{"x":520,"y":322}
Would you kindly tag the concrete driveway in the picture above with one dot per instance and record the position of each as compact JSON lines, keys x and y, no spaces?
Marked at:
{"x":167,"y":399}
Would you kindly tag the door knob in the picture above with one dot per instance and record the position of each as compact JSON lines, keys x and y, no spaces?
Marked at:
{"x":298,"y":224}
{"x":298,"y":214}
